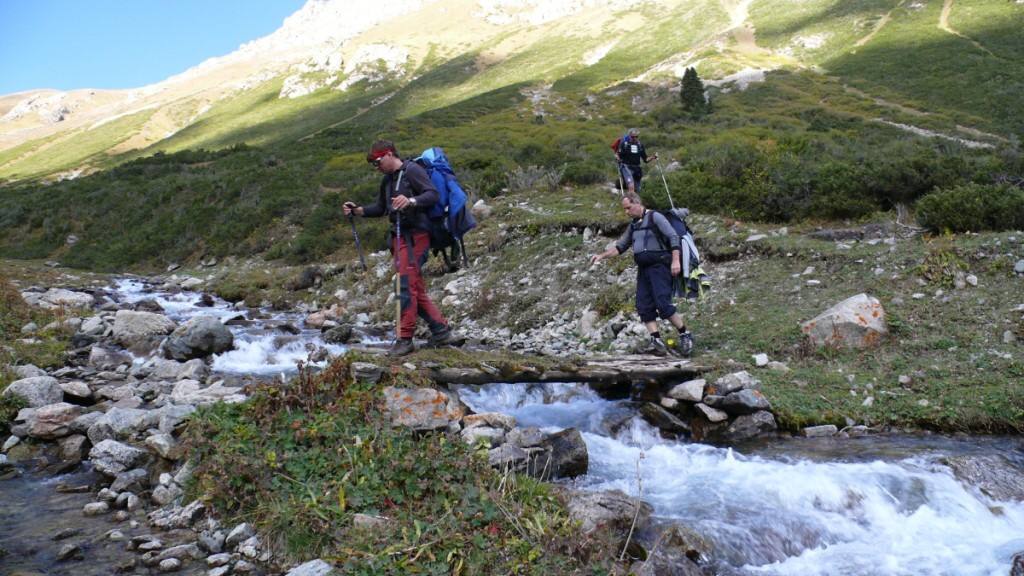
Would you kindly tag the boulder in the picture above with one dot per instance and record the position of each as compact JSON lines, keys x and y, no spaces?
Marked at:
{"x":993,"y":475}
{"x":122,"y":424}
{"x":37,"y":390}
{"x":141,"y":332}
{"x":857,"y":322}
{"x":568,"y":453}
{"x":612,"y":510}
{"x":199,"y":337}
{"x":58,"y":298}
{"x":53,"y":420}
{"x":421,"y":408}
{"x":747,"y":427}
{"x":111,"y":457}
{"x":735,"y":382}
{"x":105,"y":359}
{"x":744,"y":402}
{"x":313,"y":568}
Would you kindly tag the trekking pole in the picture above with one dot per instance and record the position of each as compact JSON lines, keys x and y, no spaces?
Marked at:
{"x":359,"y":245}
{"x":618,"y":178}
{"x":662,"y":172}
{"x":398,"y":276}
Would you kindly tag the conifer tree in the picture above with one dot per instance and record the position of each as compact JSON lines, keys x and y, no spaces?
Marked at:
{"x":691,"y":92}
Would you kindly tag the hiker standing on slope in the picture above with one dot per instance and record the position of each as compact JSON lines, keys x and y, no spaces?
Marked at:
{"x":629,"y":154}
{"x":656,"y":263}
{"x":405,"y":193}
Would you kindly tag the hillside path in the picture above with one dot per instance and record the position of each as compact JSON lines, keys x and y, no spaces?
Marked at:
{"x":947,"y":7}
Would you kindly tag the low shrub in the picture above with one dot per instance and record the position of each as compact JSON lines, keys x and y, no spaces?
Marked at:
{"x":972,"y":207}
{"x":301,"y":460}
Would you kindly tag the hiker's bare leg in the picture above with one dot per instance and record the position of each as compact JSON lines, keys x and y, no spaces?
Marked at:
{"x":652,"y":326}
{"x":676,"y":321}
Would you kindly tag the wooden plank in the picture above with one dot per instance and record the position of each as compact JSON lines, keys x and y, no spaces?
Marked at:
{"x":598,"y":371}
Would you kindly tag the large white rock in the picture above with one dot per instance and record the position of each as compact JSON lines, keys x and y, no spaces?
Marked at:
{"x":857,"y":322}
{"x":58,"y":298}
{"x":37,"y":390}
{"x":134,"y":329}
{"x":111,"y":457}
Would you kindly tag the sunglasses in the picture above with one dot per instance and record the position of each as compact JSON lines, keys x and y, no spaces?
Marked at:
{"x":376,"y":163}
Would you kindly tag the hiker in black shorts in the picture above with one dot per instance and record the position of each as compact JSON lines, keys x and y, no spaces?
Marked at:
{"x":629,"y":154}
{"x":656,"y":266}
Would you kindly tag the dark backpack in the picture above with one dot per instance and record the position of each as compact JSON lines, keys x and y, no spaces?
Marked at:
{"x":692,"y":283}
{"x":449,"y":219}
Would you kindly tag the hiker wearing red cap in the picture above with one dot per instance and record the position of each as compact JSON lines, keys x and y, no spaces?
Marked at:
{"x":405,"y":193}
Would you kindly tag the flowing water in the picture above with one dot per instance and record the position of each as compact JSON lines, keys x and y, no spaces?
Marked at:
{"x":875,"y":506}
{"x":261,"y":349}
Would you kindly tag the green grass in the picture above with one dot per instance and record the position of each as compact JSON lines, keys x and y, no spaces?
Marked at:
{"x":86,"y":147}
{"x":300,"y":461}
{"x":950,"y":344}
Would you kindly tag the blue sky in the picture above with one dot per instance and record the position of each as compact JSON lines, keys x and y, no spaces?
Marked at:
{"x":117,"y":44}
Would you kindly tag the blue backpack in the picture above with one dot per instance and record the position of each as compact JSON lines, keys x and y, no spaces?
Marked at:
{"x":449,"y":219}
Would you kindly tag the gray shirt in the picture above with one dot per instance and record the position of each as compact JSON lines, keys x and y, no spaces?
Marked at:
{"x":643,"y":237}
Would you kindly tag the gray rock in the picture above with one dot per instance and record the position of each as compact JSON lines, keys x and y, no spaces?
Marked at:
{"x":73,"y":448}
{"x":421,"y":408}
{"x":135,"y":480}
{"x":58,"y":298}
{"x":611,"y":509}
{"x":165,"y":445}
{"x":68,"y":551}
{"x":213,"y":542}
{"x":746,"y":427}
{"x":993,"y":475}
{"x":568,"y":453}
{"x":105,"y":359}
{"x":199,"y":337}
{"x":174,"y":517}
{"x":53,"y":420}
{"x":714,"y":415}
{"x":96,"y":508}
{"x":735,"y":382}
{"x":313,"y":568}
{"x":663,"y":419}
{"x":27,"y":371}
{"x":820,"y":431}
{"x":141,"y":331}
{"x":111,"y":457}
{"x":122,"y":424}
{"x":239,"y":534}
{"x":690,"y":391}
{"x":745,"y":402}
{"x":37,"y":390}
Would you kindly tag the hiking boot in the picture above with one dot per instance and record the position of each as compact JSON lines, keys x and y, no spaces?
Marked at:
{"x":686,"y":343}
{"x":401,"y":347}
{"x":443,"y":338}
{"x":653,"y":346}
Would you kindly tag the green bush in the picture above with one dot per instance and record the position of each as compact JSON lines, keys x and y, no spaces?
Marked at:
{"x":973,"y":207}
{"x":300,"y":460}
{"x":586,"y":174}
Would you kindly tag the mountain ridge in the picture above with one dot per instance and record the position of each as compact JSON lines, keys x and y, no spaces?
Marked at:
{"x":334,"y":58}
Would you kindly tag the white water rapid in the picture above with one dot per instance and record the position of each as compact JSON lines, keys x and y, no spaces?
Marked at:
{"x":878,"y":506}
{"x":259,"y":350}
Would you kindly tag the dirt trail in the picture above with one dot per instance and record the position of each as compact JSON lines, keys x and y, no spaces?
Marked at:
{"x":746,"y":37}
{"x":947,"y":7}
{"x":878,"y":26}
